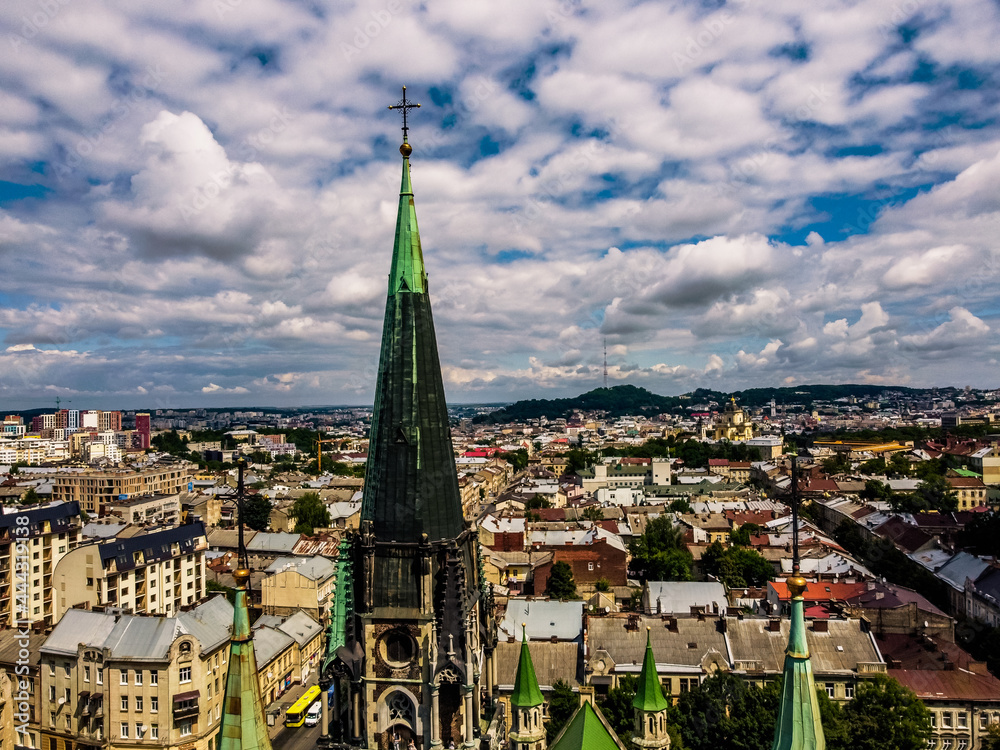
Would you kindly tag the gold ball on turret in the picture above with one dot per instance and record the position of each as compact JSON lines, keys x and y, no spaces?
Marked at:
{"x":796,"y":585}
{"x":406,"y":149}
{"x":241,"y":575}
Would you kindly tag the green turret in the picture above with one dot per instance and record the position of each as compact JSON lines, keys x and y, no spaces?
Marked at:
{"x":650,"y":705}
{"x":243,"y":724}
{"x":527,"y":724}
{"x":799,"y":726}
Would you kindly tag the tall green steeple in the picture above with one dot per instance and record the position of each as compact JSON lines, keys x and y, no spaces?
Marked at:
{"x":799,"y":726}
{"x":649,"y":694}
{"x":243,"y":724}
{"x":411,"y":485}
{"x":526,"y":691}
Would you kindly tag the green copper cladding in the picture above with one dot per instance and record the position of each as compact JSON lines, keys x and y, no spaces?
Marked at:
{"x":411,"y":485}
{"x":586,"y":731}
{"x":243,"y":724}
{"x":799,"y":726}
{"x":649,"y":694}
{"x":526,"y":691}
{"x":343,"y":604}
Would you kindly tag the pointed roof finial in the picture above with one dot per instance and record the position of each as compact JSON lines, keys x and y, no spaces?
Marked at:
{"x":526,"y":691}
{"x":242,"y":572}
{"x":405,"y":106}
{"x":649,"y":693}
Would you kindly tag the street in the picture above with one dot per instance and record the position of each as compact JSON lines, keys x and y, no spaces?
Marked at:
{"x":300,"y":738}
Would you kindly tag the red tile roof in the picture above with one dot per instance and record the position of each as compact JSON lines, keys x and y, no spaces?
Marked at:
{"x":821,"y":591}
{"x":947,"y":684}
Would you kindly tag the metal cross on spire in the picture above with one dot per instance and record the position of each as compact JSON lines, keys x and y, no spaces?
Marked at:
{"x":795,"y":514}
{"x":406,"y":106}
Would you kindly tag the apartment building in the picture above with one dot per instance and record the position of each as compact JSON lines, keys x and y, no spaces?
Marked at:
{"x":126,"y":682}
{"x":22,"y":671}
{"x":297,"y":584}
{"x":94,"y":490}
{"x":148,"y":509}
{"x":153,"y":573}
{"x":32,"y":450}
{"x":50,"y":532}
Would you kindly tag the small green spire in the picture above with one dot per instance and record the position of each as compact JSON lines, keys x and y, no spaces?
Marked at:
{"x":526,"y":692}
{"x":799,"y":726}
{"x":649,"y":695}
{"x":243,"y":724}
{"x":407,"y":274}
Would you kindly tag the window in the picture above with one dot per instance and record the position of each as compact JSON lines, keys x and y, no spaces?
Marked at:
{"x":99,"y":674}
{"x":66,"y":695}
{"x":185,"y":674}
{"x":154,"y":704}
{"x":154,"y":731}
{"x":138,"y":731}
{"x":829,"y":689}
{"x":90,"y":582}
{"x":590,"y":566}
{"x":931,"y":743}
{"x":124,"y":734}
{"x":154,"y":677}
{"x":52,"y":670}
{"x":984,"y":720}
{"x":66,"y":670}
{"x":933,"y":720}
{"x":946,"y":721}
{"x":963,"y":720}
{"x":138,"y":703}
{"x":124,"y":703}
{"x":68,"y":721}
{"x":946,"y":744}
{"x":185,"y":728}
{"x":963,"y":744}
{"x":86,"y":674}
{"x":123,"y":677}
{"x":138,"y":677}
{"x":848,"y":691}
{"x":52,"y":692}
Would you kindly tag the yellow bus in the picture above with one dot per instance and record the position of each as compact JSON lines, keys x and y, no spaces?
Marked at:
{"x":296,"y":715}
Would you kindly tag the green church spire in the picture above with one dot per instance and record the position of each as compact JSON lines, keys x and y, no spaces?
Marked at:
{"x":526,"y":691}
{"x":411,"y":485}
{"x":799,"y":726}
{"x":649,"y":694}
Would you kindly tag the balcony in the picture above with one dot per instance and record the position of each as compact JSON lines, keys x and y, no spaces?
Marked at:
{"x":186,"y":704}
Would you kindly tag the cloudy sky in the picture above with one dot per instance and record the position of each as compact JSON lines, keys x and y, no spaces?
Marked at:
{"x":198,"y":197}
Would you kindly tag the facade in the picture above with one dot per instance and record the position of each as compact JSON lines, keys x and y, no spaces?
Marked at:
{"x":95,"y":490}
{"x":625,"y":474}
{"x":143,"y":510}
{"x":154,"y":573}
{"x":412,"y":639}
{"x":125,"y":681}
{"x":51,"y":533}
{"x":733,"y":425}
{"x":298,"y":584}
{"x":25,"y":686}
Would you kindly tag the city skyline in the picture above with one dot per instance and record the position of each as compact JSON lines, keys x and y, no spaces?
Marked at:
{"x":197,"y":203}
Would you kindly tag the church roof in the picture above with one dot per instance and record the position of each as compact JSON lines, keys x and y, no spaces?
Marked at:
{"x":243,"y":725}
{"x":587,"y":729}
{"x":411,"y":484}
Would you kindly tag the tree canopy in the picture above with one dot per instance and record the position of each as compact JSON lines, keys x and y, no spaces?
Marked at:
{"x":561,"y":584}
{"x":309,"y":513}
{"x":257,"y":512}
{"x":562,"y":703}
{"x":660,"y":554}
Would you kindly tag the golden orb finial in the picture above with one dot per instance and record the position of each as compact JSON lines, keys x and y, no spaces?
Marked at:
{"x":796,"y":585}
{"x":241,"y":575}
{"x":406,"y":149}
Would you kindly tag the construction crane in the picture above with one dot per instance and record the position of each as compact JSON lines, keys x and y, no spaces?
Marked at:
{"x":319,"y":452}
{"x":60,"y":401}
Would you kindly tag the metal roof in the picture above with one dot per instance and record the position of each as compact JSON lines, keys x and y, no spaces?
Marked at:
{"x":552,"y":661}
{"x":268,"y":643}
{"x":687,"y":647}
{"x":314,"y":568}
{"x":272,"y":541}
{"x":961,"y":566}
{"x":544,"y":619}
{"x":678,"y":597}
{"x":301,"y":627}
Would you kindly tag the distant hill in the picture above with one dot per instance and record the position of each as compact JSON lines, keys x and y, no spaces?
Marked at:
{"x":617,"y":401}
{"x":622,"y":400}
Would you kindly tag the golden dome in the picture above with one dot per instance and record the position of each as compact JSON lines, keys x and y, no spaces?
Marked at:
{"x":796,"y":585}
{"x":242,"y":575}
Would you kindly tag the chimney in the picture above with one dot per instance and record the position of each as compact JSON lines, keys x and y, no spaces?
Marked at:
{"x":774,"y":625}
{"x":672,"y":624}
{"x":821,"y":626}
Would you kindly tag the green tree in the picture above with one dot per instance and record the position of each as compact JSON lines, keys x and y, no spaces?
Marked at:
{"x":935,"y":493}
{"x":257,"y":512}
{"x":603,"y":585}
{"x":726,"y":711}
{"x":30,"y":497}
{"x":561,"y":584}
{"x":170,"y":442}
{"x":680,"y":505}
{"x":617,"y":707}
{"x":885,"y":714}
{"x":876,"y":490}
{"x":537,"y":502}
{"x":660,"y":553}
{"x":836,"y":464}
{"x":577,"y":459}
{"x":593,"y":513}
{"x":562,"y":703}
{"x":873,"y":466}
{"x":213,"y":586}
{"x":737,"y":567}
{"x":980,"y":535}
{"x":518,"y":459}
{"x":309,"y":513}
{"x":899,"y":464}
